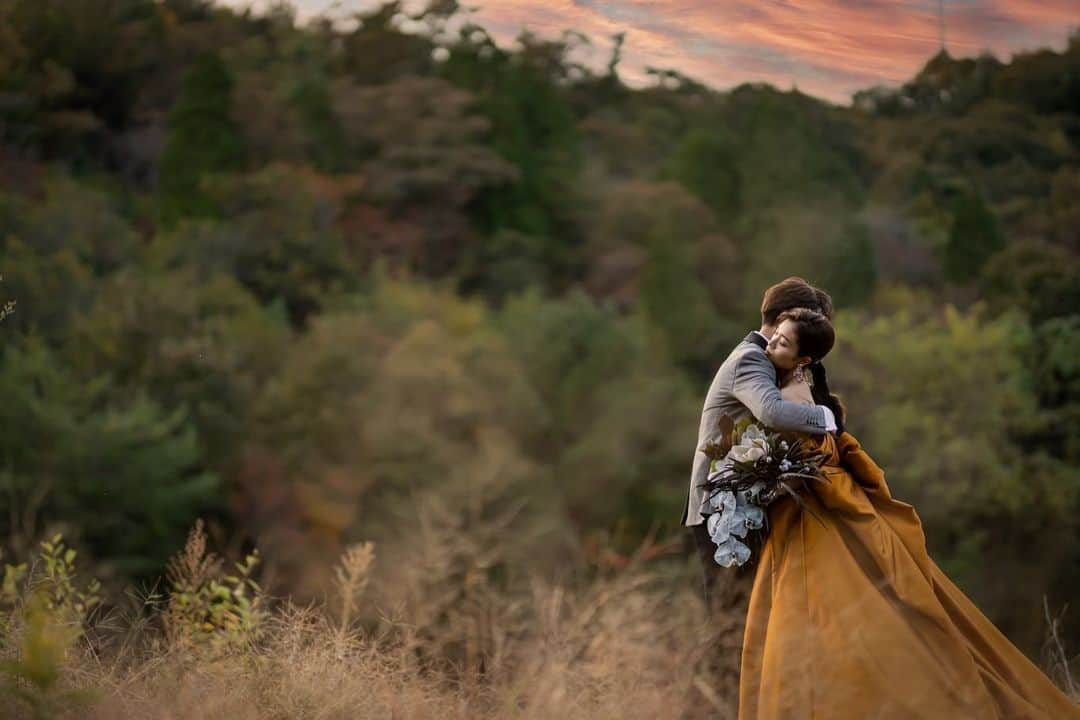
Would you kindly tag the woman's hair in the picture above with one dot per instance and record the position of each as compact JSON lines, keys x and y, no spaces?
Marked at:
{"x":815,"y":337}
{"x":822,"y":395}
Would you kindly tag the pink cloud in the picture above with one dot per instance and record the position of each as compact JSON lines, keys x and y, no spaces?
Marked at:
{"x":829,"y":48}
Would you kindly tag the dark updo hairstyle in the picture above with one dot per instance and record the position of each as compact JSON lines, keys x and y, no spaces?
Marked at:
{"x":815,"y":338}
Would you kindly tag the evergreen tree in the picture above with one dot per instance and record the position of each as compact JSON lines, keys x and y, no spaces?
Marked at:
{"x":202,"y":139}
{"x":706,"y":165}
{"x":126,"y":476}
{"x":532,"y":126}
{"x":973,"y":238}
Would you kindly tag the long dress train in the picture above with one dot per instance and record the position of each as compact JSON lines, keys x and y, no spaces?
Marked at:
{"x":853,"y":619}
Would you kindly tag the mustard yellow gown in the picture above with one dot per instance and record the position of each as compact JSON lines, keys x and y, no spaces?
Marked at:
{"x":852,"y":619}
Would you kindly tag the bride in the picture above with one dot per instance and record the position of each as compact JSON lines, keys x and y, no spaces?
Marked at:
{"x":850,"y":617}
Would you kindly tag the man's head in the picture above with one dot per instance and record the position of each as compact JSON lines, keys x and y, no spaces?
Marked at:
{"x":788,"y":294}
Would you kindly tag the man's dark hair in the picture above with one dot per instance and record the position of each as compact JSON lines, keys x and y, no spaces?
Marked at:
{"x":790,"y":293}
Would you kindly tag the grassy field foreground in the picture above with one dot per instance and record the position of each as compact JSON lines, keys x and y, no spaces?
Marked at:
{"x":630,"y":643}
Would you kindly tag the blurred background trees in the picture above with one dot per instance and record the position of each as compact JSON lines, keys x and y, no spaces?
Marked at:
{"x":318,"y":282}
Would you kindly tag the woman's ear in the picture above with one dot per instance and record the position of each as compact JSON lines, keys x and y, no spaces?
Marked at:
{"x":804,"y":362}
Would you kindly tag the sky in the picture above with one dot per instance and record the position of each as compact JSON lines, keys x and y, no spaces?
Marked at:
{"x":826,"y":48}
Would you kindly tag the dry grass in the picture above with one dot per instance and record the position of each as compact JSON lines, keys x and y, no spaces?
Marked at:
{"x":627,"y":644}
{"x":630,"y":642}
{"x":1055,"y":659}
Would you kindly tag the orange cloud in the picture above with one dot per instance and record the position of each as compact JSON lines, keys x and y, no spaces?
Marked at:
{"x":828,"y":48}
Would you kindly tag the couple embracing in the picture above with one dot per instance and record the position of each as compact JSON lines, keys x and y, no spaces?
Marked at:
{"x":847,"y":616}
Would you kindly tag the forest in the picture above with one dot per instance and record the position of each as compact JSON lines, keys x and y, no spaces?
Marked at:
{"x":399,"y":310}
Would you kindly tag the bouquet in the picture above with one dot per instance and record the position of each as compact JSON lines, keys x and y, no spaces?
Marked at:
{"x":750,"y":467}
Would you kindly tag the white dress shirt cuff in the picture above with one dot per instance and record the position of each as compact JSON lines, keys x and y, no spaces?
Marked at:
{"x":830,"y":419}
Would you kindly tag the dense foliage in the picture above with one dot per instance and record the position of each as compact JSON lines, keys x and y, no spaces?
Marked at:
{"x":316,"y":283}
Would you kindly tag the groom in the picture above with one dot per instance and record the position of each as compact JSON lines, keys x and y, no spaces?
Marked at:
{"x":746,"y":386}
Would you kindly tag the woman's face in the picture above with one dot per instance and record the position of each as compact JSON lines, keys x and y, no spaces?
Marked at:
{"x":783,"y":348}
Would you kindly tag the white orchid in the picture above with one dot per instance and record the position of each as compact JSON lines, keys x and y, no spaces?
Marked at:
{"x":731,"y":552}
{"x":723,"y":525}
{"x":755,"y":517}
{"x":736,"y":514}
{"x":723,"y":501}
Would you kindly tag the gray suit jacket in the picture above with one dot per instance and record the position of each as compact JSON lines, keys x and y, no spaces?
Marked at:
{"x":744,"y":386}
